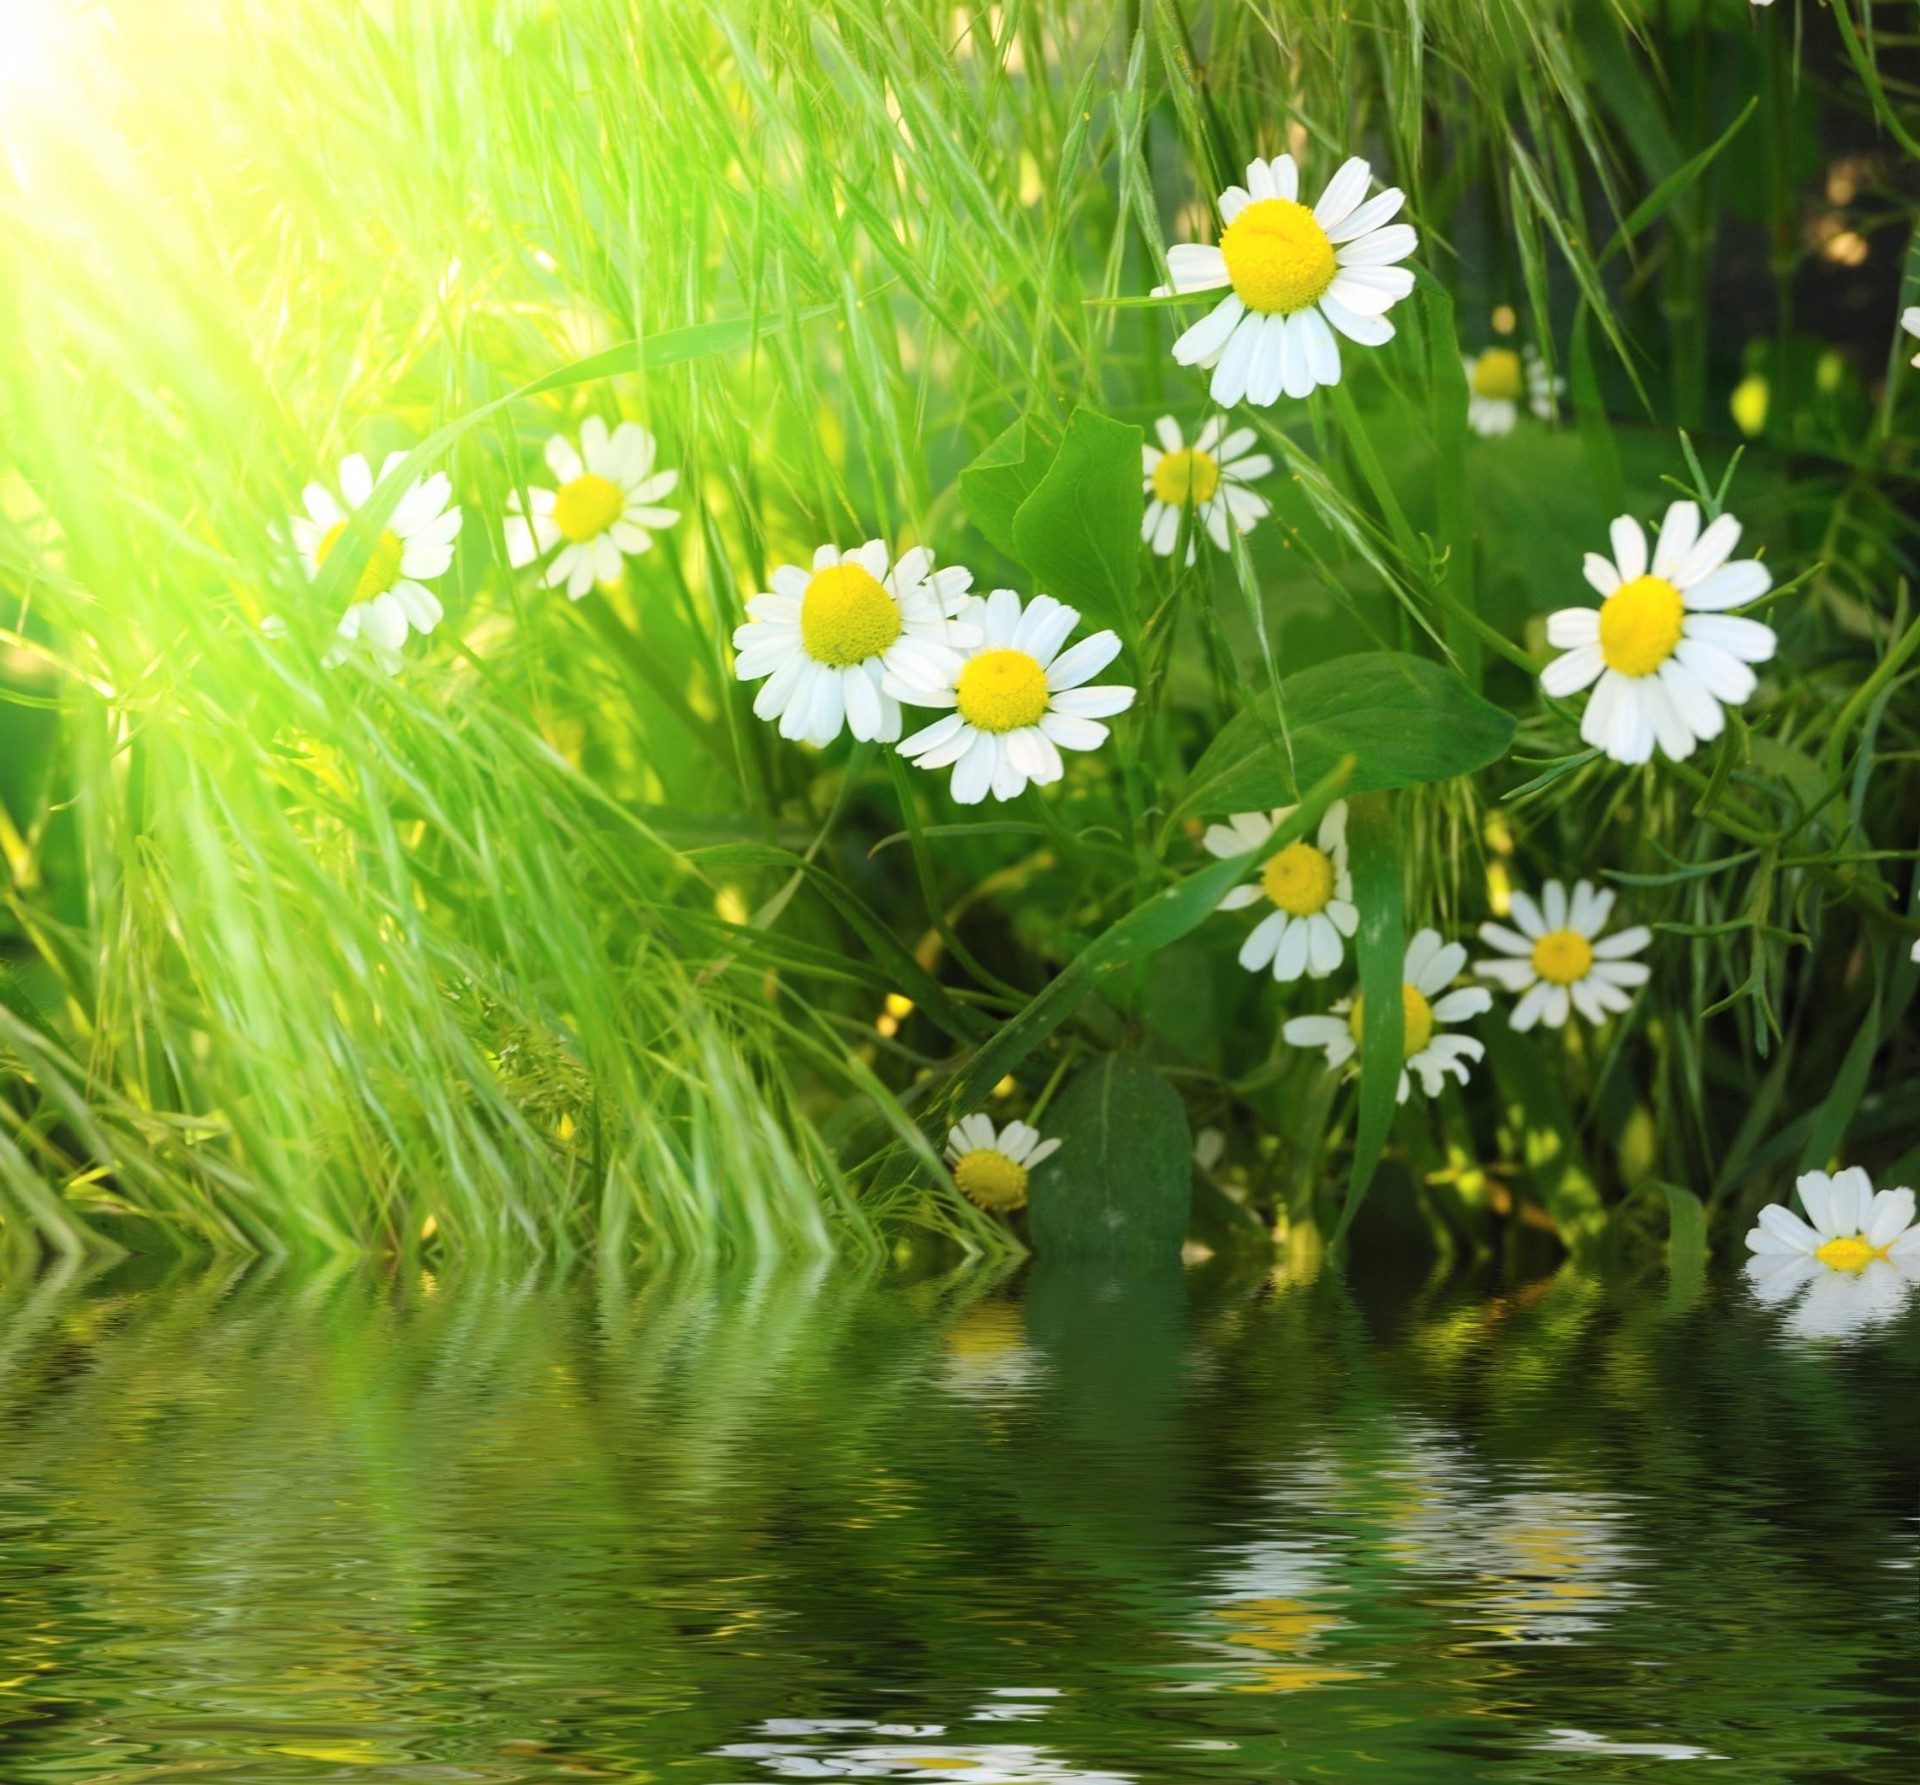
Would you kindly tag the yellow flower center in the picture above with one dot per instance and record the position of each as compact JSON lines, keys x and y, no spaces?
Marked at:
{"x":1299,"y":879}
{"x":1563,"y":956}
{"x":1851,"y":1253}
{"x":1497,"y":373}
{"x":587,"y":507}
{"x":987,"y":1176}
{"x":846,"y":617}
{"x":1002,"y":690}
{"x":1416,"y":1018}
{"x":1189,"y":476}
{"x":382,"y":568}
{"x":1640,"y":625}
{"x":1278,"y":258}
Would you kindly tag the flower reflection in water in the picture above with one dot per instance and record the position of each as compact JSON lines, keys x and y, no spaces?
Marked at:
{"x":987,"y":1354}
{"x":1275,"y":1611}
{"x":916,"y":1752}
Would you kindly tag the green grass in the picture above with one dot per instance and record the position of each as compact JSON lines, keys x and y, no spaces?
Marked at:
{"x":305,"y":959}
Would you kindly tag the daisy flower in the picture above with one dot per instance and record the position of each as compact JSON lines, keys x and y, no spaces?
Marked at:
{"x":1558,"y":959}
{"x":991,"y":1168}
{"x":1665,"y":653}
{"x":1498,"y":381}
{"x":602,"y":509}
{"x":1293,"y":271}
{"x":1018,"y":700}
{"x":390,"y":598}
{"x":1308,"y":885}
{"x":1849,"y":1264}
{"x":853,"y":639}
{"x":1210,"y":477}
{"x":1431,"y":966}
{"x":1910,"y":321}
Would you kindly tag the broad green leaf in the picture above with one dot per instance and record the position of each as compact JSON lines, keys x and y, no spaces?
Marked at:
{"x":1120,"y":1187}
{"x":1402,"y":719}
{"x":1000,"y":479}
{"x":1078,"y":534}
{"x":1161,"y":920}
{"x":1381,"y":947}
{"x":1686,"y":1246}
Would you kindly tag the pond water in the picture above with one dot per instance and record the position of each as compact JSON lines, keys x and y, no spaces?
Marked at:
{"x":267,"y":1527}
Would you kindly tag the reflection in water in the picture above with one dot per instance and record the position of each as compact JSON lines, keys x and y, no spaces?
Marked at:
{"x":260,"y":1528}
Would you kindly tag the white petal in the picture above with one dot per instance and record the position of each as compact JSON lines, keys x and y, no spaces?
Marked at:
{"x":1748,"y":640}
{"x":1572,"y":627}
{"x":1367,"y":331}
{"x":1202,"y":343}
{"x":1677,"y":535}
{"x":1084,"y":661}
{"x":1378,"y":248}
{"x":1629,"y":548}
{"x":1344,"y":192}
{"x":1713,"y":548}
{"x":1734,"y":585}
{"x":1382,"y":208}
{"x":1569,"y":674}
{"x":1601,"y":574}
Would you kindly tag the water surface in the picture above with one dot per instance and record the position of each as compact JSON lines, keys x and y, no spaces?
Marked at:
{"x":724,"y":1530}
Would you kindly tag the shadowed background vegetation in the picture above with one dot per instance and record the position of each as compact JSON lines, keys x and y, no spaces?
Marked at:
{"x":548,"y":943}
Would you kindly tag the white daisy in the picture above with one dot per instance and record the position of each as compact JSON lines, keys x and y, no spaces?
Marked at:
{"x":1431,"y":966}
{"x":1307,"y":883}
{"x":1019,"y":700}
{"x":1854,"y":1265}
{"x":1559,"y":959}
{"x":1666,"y":654}
{"x":390,"y":598}
{"x":992,"y":1168}
{"x":1499,"y":380}
{"x":854,"y":639}
{"x":1909,"y":318}
{"x":1293,"y":271}
{"x":602,"y":509}
{"x":1210,"y":477}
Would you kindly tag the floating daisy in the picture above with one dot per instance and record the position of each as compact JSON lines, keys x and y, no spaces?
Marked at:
{"x":1851,"y":1263}
{"x":1910,"y":321}
{"x":1210,"y":477}
{"x":1293,"y":271}
{"x":1425,"y":1004}
{"x":1018,"y":700}
{"x":1499,"y":381}
{"x":1308,"y":885}
{"x":1665,"y":653}
{"x":1559,"y":960}
{"x":602,"y":509}
{"x":991,"y":1168}
{"x":390,"y":599}
{"x":853,"y":639}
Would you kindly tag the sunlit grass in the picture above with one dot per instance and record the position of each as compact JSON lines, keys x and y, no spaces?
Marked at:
{"x":304,"y":958}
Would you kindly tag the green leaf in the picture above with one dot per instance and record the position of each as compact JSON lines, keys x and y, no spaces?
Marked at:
{"x":1382,"y":948}
{"x":1121,"y":1184}
{"x":1402,"y":719}
{"x":1000,"y":479}
{"x":1078,"y":534}
{"x":1686,"y":1246}
{"x":1148,"y":927}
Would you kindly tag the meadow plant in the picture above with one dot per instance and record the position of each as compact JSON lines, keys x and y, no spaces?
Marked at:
{"x":519,"y":847}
